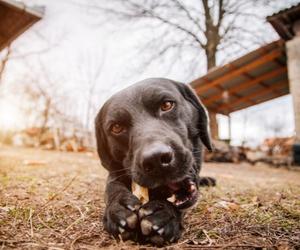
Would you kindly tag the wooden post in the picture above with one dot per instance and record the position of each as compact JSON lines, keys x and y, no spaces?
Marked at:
{"x":293,"y":54}
{"x":229,"y":128}
{"x":214,"y":129}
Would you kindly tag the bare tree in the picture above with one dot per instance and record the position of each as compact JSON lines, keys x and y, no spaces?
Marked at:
{"x":4,"y":61}
{"x":9,"y":54}
{"x":89,"y":69}
{"x":275,"y":126}
{"x":190,"y":27}
{"x":190,"y":33}
{"x":41,"y":99}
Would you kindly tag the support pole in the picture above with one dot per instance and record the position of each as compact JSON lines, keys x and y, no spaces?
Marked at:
{"x":293,"y":54}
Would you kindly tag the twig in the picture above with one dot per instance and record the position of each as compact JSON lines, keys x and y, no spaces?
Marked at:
{"x":207,"y":236}
{"x":82,"y":217}
{"x":30,"y":220}
{"x":45,"y":225}
{"x":55,"y":195}
{"x":180,"y":243}
{"x":81,"y":238}
{"x":223,"y":246}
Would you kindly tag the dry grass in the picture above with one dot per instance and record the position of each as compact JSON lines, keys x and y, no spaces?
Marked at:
{"x":57,"y":201}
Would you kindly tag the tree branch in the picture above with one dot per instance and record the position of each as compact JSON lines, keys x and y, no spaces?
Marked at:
{"x":4,"y":62}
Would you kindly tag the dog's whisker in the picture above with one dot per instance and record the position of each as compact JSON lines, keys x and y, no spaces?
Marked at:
{"x":120,"y":170}
{"x":117,"y":177}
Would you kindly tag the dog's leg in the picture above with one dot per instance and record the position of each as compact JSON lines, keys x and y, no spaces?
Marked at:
{"x":161,"y":222}
{"x":207,"y":181}
{"x":121,"y":213}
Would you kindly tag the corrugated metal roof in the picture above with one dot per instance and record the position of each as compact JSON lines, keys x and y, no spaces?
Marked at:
{"x":15,"y":18}
{"x":256,"y":77}
{"x":283,"y":21}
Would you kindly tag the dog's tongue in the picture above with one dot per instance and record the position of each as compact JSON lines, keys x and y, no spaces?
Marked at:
{"x":186,"y":184}
{"x":174,"y":186}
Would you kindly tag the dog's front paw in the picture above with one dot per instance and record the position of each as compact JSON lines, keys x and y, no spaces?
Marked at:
{"x":121,"y":217}
{"x":160,"y":222}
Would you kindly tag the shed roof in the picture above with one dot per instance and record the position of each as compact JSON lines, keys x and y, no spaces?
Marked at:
{"x":283,"y":21}
{"x":15,"y":18}
{"x":256,"y":77}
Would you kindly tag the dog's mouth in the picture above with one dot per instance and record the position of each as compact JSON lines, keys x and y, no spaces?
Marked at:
{"x":182,"y":194}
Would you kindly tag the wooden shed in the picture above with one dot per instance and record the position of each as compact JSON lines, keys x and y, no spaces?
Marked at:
{"x":15,"y":18}
{"x":264,"y":74}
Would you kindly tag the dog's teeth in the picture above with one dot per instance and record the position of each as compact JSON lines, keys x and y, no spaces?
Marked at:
{"x":178,"y":202}
{"x":121,"y":230}
{"x":172,"y":198}
{"x":144,"y":212}
{"x":192,"y":187}
{"x":155,"y":227}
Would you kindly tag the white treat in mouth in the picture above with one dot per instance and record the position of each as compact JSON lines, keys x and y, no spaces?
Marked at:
{"x":140,"y":192}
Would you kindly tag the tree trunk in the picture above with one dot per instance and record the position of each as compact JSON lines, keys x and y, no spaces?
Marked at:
{"x":211,"y":63}
{"x":210,"y":58}
{"x":45,"y":120}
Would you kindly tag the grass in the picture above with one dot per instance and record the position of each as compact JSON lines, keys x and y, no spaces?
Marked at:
{"x":58,"y":205}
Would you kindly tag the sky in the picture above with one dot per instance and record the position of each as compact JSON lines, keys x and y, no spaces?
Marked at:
{"x":76,"y":42}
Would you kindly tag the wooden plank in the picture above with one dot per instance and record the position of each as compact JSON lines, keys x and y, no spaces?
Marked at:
{"x":246,"y":84}
{"x":25,"y":16}
{"x":219,"y":87}
{"x":246,"y":105}
{"x":261,"y":60}
{"x":276,"y":86}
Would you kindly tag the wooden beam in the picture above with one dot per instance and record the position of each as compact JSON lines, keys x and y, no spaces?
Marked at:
{"x":261,"y":60}
{"x":277,"y":86}
{"x":246,"y":84}
{"x":256,"y":103}
{"x":222,"y":89}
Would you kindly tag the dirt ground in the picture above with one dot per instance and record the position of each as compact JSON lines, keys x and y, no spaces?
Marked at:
{"x":54,"y":200}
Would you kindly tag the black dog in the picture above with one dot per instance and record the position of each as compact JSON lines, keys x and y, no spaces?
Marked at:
{"x":152,"y":133}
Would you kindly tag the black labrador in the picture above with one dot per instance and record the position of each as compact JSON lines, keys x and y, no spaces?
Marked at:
{"x":152,"y":132}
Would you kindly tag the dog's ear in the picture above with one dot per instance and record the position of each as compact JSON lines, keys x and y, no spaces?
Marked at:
{"x":102,"y":145}
{"x":203,"y":123}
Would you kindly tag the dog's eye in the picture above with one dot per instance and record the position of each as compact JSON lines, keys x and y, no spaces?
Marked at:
{"x":167,"y":105}
{"x":116,"y":128}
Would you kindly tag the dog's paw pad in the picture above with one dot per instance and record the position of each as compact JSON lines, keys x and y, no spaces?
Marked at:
{"x":146,"y":227}
{"x":157,"y":240}
{"x":132,"y":221}
{"x":160,"y":222}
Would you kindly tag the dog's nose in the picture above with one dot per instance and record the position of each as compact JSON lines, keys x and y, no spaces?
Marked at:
{"x":157,"y":155}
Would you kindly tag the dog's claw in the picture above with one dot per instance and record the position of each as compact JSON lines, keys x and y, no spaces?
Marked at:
{"x":131,"y":208}
{"x":144,"y":212}
{"x":123,"y":223}
{"x":160,"y":231}
{"x":121,"y":230}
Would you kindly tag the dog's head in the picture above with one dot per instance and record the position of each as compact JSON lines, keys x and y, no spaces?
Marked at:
{"x":153,"y":132}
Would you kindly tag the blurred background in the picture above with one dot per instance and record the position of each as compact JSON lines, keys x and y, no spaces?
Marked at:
{"x":61,"y":60}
